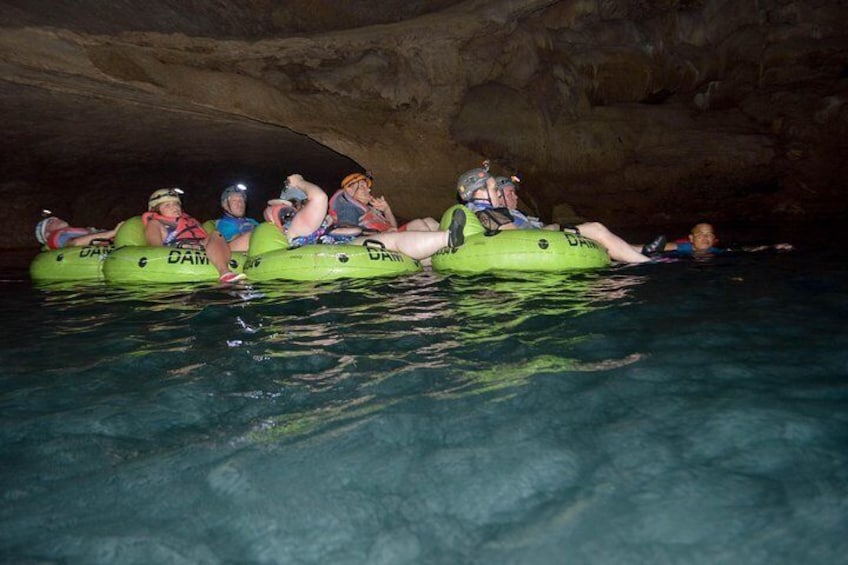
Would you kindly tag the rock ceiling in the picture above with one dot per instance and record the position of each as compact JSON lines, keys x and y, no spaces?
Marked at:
{"x":628,"y":112}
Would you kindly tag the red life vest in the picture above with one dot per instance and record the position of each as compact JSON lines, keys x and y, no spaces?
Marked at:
{"x":178,"y":229}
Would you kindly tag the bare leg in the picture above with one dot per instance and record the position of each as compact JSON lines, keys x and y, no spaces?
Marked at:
{"x":417,"y":245}
{"x":240,"y":243}
{"x":618,"y":249}
{"x":423,"y":224}
{"x":218,"y":252}
{"x":422,"y":244}
{"x":418,"y":225}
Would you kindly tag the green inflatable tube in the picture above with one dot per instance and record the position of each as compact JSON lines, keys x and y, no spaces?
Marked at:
{"x":129,"y":265}
{"x":517,"y":250}
{"x":269,"y":258}
{"x":133,"y":261}
{"x":70,"y":264}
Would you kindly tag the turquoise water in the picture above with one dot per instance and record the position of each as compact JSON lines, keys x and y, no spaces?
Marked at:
{"x":684,"y":412}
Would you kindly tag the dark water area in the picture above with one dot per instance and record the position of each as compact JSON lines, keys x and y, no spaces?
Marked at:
{"x":674,"y":412}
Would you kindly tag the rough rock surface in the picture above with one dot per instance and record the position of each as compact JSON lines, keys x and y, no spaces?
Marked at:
{"x":629,"y":112}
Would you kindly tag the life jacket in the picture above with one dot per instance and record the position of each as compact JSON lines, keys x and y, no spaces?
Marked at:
{"x":490,"y":217}
{"x":60,"y":238}
{"x":231,"y":227}
{"x":524,"y":222}
{"x":370,"y":218}
{"x":183,"y":228}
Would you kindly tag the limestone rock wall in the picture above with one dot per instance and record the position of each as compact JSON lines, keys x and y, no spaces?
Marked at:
{"x":628,"y":112}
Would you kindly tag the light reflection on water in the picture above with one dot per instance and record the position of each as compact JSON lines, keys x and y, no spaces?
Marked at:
{"x":686,"y":412}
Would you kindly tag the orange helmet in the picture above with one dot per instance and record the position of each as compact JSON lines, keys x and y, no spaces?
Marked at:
{"x":356,"y":177}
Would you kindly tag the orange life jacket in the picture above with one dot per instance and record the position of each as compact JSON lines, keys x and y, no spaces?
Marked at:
{"x":177,"y":229}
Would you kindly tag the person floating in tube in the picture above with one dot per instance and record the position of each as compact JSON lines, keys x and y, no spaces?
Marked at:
{"x":308,"y":222}
{"x":233,"y":225}
{"x":166,"y":224}
{"x":480,"y":192}
{"x":56,"y":233}
{"x":354,"y":205}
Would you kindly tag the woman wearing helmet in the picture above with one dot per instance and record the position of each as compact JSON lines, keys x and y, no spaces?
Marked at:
{"x":479,"y":190}
{"x":55,"y":233}
{"x":354,"y":205}
{"x":311,"y":224}
{"x":233,"y":226}
{"x":166,"y":224}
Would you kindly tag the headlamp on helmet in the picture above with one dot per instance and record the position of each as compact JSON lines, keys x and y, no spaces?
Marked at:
{"x":162,"y":196}
{"x":503,"y":182}
{"x":41,"y":227}
{"x":239,"y":189}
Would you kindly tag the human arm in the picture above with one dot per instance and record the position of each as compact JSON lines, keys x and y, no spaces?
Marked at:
{"x":154,"y":233}
{"x":84,"y":240}
{"x":383,"y":206}
{"x":776,"y":247}
{"x":309,"y":218}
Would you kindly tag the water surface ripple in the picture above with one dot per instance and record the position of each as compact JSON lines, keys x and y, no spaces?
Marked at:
{"x":683,"y":412}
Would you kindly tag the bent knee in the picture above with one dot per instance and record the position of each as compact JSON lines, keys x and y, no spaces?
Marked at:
{"x":593,"y":228}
